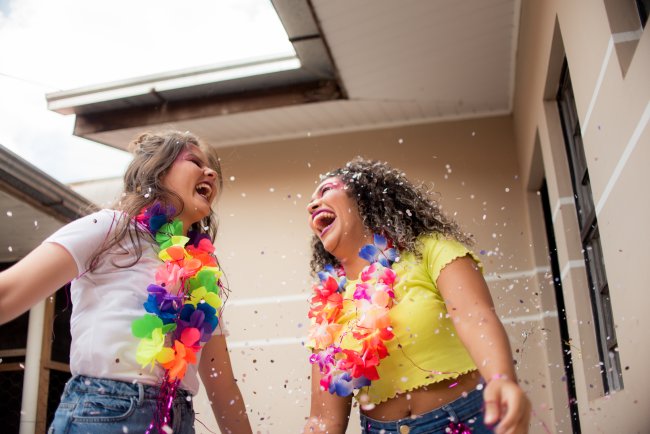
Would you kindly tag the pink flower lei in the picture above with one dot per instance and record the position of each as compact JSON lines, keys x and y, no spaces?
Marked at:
{"x":181,"y":307}
{"x":346,"y":370}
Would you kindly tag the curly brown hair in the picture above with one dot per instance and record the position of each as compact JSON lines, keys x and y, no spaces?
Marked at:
{"x":389,"y":205}
{"x":153,"y":155}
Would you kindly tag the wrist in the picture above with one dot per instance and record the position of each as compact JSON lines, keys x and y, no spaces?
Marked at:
{"x":496,"y":377}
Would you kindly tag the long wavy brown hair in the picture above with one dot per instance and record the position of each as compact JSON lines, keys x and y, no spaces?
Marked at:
{"x":153,"y":155}
{"x":389,"y":205}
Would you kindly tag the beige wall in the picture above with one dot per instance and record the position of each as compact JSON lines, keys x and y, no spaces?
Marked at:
{"x":264,"y":247}
{"x":610,"y":80}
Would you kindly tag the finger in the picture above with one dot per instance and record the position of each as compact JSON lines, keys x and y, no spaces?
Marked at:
{"x":516,"y":414}
{"x":492,"y":399}
{"x":511,"y":412}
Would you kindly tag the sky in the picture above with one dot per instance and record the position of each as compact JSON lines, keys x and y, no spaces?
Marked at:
{"x":48,"y":46}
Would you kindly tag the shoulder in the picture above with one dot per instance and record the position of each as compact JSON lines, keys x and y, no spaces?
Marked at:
{"x":90,"y":228}
{"x":435,"y":241}
{"x":438,"y":250}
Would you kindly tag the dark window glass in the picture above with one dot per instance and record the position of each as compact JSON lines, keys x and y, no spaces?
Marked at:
{"x":643,"y":6}
{"x":590,"y":237}
{"x":11,"y":396}
{"x":61,"y":338}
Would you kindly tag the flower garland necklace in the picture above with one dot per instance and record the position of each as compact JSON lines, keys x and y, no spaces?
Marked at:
{"x":346,"y":370}
{"x":181,"y":307}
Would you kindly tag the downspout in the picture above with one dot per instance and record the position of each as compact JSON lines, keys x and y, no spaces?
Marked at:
{"x":32,"y":368}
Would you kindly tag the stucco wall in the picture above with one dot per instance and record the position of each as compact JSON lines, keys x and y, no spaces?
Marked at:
{"x":610,"y":82}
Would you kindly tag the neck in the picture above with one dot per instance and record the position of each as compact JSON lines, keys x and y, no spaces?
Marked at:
{"x":351,"y":262}
{"x":353,"y":266}
{"x":186,"y":226}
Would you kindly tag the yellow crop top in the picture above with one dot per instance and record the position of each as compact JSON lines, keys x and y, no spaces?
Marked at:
{"x":429,"y":342}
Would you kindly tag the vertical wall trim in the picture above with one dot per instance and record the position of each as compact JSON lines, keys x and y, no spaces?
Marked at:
{"x":566,"y":200}
{"x":513,"y":53}
{"x":601,"y":76}
{"x":631,"y":144}
{"x":569,"y":265}
{"x":32,"y":368}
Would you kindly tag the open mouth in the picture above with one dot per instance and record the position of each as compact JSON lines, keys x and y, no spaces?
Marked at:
{"x":204,"y":190}
{"x":323,"y":221}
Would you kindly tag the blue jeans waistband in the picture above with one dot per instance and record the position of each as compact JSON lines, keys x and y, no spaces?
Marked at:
{"x":104,"y":386}
{"x":467,"y":409}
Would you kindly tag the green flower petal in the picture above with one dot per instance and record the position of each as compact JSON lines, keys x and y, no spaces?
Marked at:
{"x":145,"y":325}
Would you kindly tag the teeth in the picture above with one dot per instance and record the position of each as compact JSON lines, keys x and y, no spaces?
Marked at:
{"x":204,"y":189}
{"x":321,"y":216}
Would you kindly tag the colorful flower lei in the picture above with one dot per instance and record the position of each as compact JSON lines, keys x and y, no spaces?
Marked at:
{"x":182,"y":304}
{"x":345,"y":370}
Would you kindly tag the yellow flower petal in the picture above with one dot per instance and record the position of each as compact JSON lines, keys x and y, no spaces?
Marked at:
{"x":213,"y":300}
{"x":148,"y":349}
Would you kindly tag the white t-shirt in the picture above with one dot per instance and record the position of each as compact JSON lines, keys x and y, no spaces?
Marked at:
{"x":106,"y":301}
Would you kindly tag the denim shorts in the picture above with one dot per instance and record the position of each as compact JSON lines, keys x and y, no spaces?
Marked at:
{"x":468,"y":410}
{"x":101,"y":406}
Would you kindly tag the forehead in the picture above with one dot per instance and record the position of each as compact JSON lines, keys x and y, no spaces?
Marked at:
{"x":332,"y":180}
{"x":191,"y":148}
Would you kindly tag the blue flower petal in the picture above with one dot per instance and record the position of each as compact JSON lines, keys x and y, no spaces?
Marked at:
{"x":342,"y":384}
{"x":391,"y":254}
{"x":210,"y":314}
{"x":360,"y":382}
{"x":151,"y":305}
{"x":369,"y":253}
{"x":380,"y":241}
{"x":342,"y":284}
{"x":155,"y":222}
{"x":187,"y":311}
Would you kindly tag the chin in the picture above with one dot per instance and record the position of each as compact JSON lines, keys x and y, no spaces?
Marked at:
{"x":329,"y":244}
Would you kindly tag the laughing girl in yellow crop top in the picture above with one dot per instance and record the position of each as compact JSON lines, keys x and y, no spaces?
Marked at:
{"x":401,"y":315}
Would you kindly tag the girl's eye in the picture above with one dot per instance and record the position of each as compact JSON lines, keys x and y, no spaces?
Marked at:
{"x":325,"y":189}
{"x":197,"y":162}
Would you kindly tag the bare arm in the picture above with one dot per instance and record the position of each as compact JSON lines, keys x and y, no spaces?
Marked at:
{"x":222,"y":389}
{"x":471,"y":309}
{"x":46,"y":269}
{"x":329,"y":413}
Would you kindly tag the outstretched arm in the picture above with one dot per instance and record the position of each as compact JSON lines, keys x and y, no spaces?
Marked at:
{"x":222,"y":389}
{"x":46,"y":269}
{"x":470,"y":307}
{"x":329,"y":413}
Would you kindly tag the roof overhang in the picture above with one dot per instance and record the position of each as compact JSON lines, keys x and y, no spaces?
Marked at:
{"x":34,"y":205}
{"x":213,"y":90}
{"x":28,"y":184}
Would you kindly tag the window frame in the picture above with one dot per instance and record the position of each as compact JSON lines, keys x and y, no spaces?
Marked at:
{"x":605,"y":327}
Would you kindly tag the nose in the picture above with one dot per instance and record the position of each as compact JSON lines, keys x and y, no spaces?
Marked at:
{"x":312,"y":206}
{"x":208,"y":171}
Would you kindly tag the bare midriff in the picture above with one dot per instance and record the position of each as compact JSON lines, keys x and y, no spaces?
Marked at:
{"x":423,"y":399}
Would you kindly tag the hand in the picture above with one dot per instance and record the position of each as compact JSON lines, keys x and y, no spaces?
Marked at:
{"x":506,"y":404}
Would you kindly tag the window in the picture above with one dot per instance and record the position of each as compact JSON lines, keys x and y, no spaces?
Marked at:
{"x":590,"y":237}
{"x":643,"y":6}
{"x":12,"y":367}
